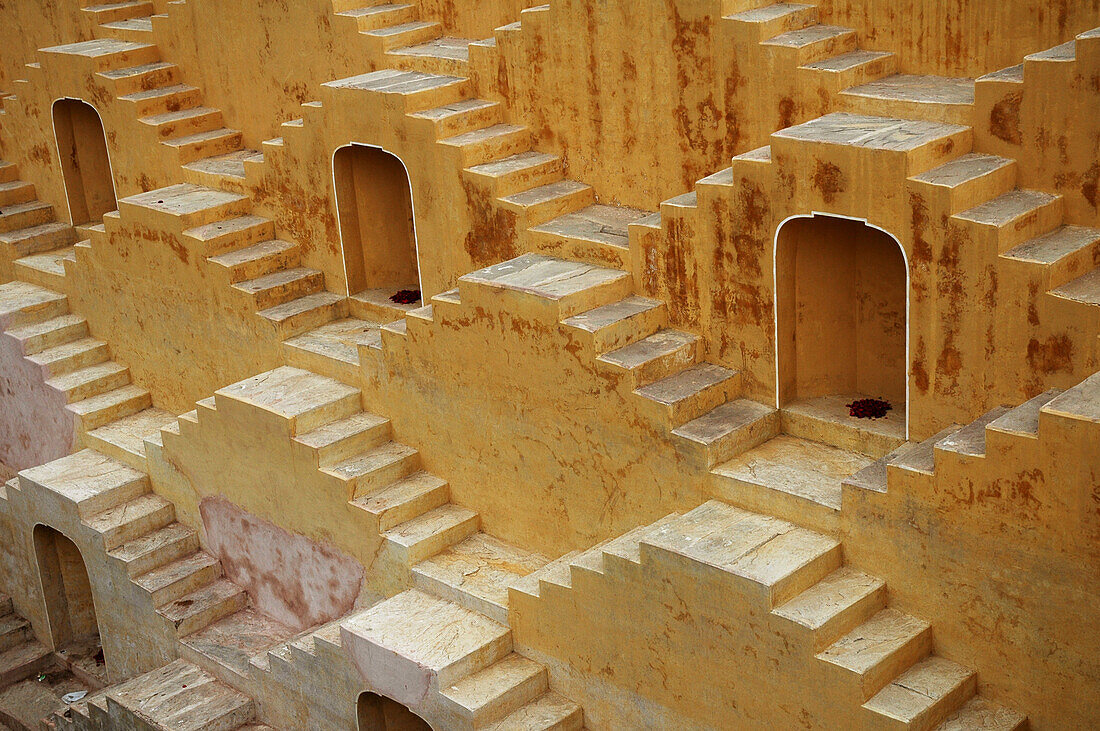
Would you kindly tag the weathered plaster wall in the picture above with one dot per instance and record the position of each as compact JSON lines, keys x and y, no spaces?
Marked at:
{"x":292,"y":579}
{"x":34,"y":425}
{"x":961,"y":38}
{"x":27,"y":26}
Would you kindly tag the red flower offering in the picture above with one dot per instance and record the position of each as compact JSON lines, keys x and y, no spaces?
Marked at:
{"x":406,"y":296}
{"x":869,"y":408}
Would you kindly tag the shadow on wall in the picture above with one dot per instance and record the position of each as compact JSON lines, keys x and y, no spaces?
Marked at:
{"x":85,"y":165}
{"x":375,"y":208}
{"x":379,"y":713}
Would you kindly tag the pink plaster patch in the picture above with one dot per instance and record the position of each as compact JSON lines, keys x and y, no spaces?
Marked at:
{"x":35,"y":426}
{"x":290,"y":578}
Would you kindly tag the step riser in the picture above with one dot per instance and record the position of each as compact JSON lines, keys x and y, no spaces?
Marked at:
{"x":630,"y":330}
{"x":663,"y":366}
{"x":571,"y":202}
{"x":239,"y":239}
{"x":147,"y":80}
{"x":42,"y":243}
{"x":90,"y":356}
{"x":695,"y":405}
{"x":285,"y":259}
{"x":848,"y":619}
{"x":100,"y":385}
{"x":191,"y":151}
{"x":34,"y":275}
{"x":307,"y":320}
{"x":155,"y":520}
{"x":113,"y":496}
{"x":784,"y":505}
{"x":95,"y":419}
{"x":26,"y":219}
{"x":519,"y":180}
{"x":374,"y":481}
{"x":209,"y":615}
{"x":461,"y":123}
{"x":427,"y":64}
{"x":16,"y":637}
{"x":432,"y":585}
{"x":737,"y":442}
{"x":494,"y":148}
{"x":188,"y":126}
{"x":11,"y":196}
{"x":437,"y":542}
{"x":287,"y":291}
{"x":172,"y":102}
{"x":357,"y":443}
{"x":187,"y":584}
{"x":931,"y":717}
{"x":419,"y":505}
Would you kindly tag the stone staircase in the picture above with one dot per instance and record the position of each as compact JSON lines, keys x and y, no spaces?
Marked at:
{"x":21,"y":655}
{"x":625,"y":337}
{"x":139,"y":530}
{"x":438,"y":647}
{"x":132,"y":67}
{"x":876,"y":658}
{"x":108,"y":411}
{"x":176,"y":697}
{"x":33,"y":243}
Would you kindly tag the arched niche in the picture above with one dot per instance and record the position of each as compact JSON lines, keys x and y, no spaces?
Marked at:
{"x":85,"y":164}
{"x":379,"y":713}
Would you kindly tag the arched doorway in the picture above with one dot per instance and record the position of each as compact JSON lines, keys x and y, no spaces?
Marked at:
{"x":85,"y":165}
{"x":379,"y":713}
{"x":70,"y":608}
{"x":375,"y":208}
{"x":841,"y":318}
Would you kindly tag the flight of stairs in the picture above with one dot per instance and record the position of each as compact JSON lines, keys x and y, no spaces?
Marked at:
{"x":138,"y":528}
{"x":21,"y":655}
{"x":463,"y":656}
{"x":33,"y":243}
{"x":626,"y":337}
{"x":176,"y":697}
{"x":108,"y":411}
{"x":172,"y":111}
{"x":876,"y":656}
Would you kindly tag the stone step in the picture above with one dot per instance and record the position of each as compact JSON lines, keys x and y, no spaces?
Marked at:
{"x":615,"y":325}
{"x":184,"y":122}
{"x":1015,"y":217}
{"x":1081,"y":403}
{"x":140,"y":516}
{"x":37,"y":239}
{"x":192,"y":147}
{"x":913,"y":146}
{"x":184,"y":206}
{"x":445,"y":55}
{"x":654,"y":358}
{"x":46,"y":269}
{"x":304,"y":400}
{"x":491,"y":694}
{"x":476,"y":573}
{"x":430,"y":638}
{"x":226,"y":236}
{"x":597,"y":234}
{"x":341,"y":439}
{"x":380,"y":16}
{"x":96,"y":411}
{"x":147,"y":76}
{"x":14,"y":631}
{"x":302,"y":314}
{"x":405,"y":91}
{"x":225,"y":167}
{"x":1084,"y":289}
{"x":486,"y":144}
{"x":156,"y":549}
{"x":105,"y":54}
{"x":428,"y":534}
{"x":225,"y":647}
{"x":16,"y":192}
{"x":89,"y":480}
{"x":769,"y":560}
{"x":161,"y":99}
{"x":258,"y":260}
{"x":550,"y":711}
{"x":921,"y":459}
{"x":333,"y":349}
{"x":282,"y":286}
{"x":124,"y":439}
{"x":1063,"y":254}
{"x":692,"y":392}
{"x":979,"y":713}
{"x":771,"y":20}
{"x":970,"y":440}
{"x":1023,"y":420}
{"x":793,"y":478}
{"x":931,"y":98}
{"x":370,"y":471}
{"x":967,"y":181}
{"x":878,"y":651}
{"x":546,"y":202}
{"x":25,"y":215}
{"x":22,"y":661}
{"x":404,"y":499}
{"x":178,"y":578}
{"x":833,"y":607}
{"x":461,"y":116}
{"x":852,"y":68}
{"x":179,"y":696}
{"x":70,"y":356}
{"x":812,"y":43}
{"x":543,"y":286}
{"x":405,"y":34}
{"x":201,"y":607}
{"x":9,"y":171}
{"x":89,"y":381}
{"x":924,"y":695}
{"x":516,"y":173}
{"x":137,"y":30}
{"x":727,"y":430}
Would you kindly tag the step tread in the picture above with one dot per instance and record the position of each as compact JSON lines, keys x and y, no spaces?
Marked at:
{"x":68,"y":350}
{"x":925,"y":89}
{"x":178,"y":115}
{"x":160,"y":91}
{"x":231,"y":164}
{"x":339,"y":340}
{"x":288,"y":392}
{"x":39,"y":336}
{"x":1055,"y":245}
{"x":809,"y":35}
{"x":281,"y":278}
{"x":550,"y":711}
{"x":838,"y":591}
{"x":454,"y":49}
{"x":769,"y":13}
{"x":873,"y":133}
{"x":915,"y":693}
{"x":51,"y":263}
{"x":130,"y":432}
{"x":545,"y":193}
{"x":144,"y":546}
{"x":599,"y":223}
{"x":477,"y":136}
{"x":1024,"y":419}
{"x":723,"y":420}
{"x":970,"y":440}
{"x":800,"y":467}
{"x":543,"y":276}
{"x":370,"y":461}
{"x":874,"y":640}
{"x":140,"y":507}
{"x":682,"y":386}
{"x":199,"y":137}
{"x":611,"y":314}
{"x":200,"y":600}
{"x":477,"y":691}
{"x":513,"y":163}
{"x":1084,"y":289}
{"x":429,"y":524}
{"x":335,"y":431}
{"x":1008,"y":207}
{"x":163,"y":576}
{"x":256,"y":252}
{"x":963,"y":169}
{"x":979,"y":713}
{"x":847,"y":61}
{"x":287,"y":310}
{"x":661,"y":343}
